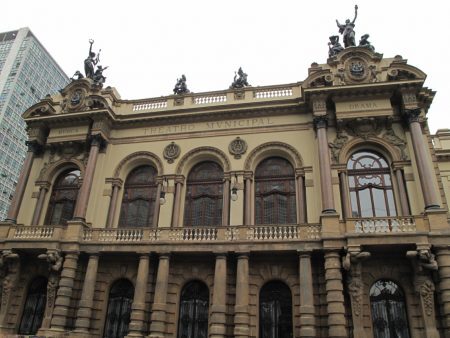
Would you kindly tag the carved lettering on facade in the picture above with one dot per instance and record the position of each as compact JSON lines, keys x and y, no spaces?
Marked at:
{"x":68,"y":131}
{"x":362,"y":106}
{"x":216,"y":125}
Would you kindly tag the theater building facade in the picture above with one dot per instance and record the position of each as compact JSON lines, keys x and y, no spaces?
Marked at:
{"x":310,"y":209}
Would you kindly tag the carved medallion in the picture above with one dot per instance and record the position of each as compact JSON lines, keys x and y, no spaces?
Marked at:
{"x":357,"y":69}
{"x":75,"y":100}
{"x":237,"y":147}
{"x":171,"y":152}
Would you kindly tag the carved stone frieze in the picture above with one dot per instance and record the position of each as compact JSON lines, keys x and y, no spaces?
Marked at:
{"x":171,"y":152}
{"x":237,"y":147}
{"x":424,"y":286}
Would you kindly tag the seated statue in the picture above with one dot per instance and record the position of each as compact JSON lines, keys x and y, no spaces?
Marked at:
{"x":181,"y":87}
{"x":334,"y":47}
{"x":241,"y":81}
{"x":98,"y":75}
{"x":364,"y":42}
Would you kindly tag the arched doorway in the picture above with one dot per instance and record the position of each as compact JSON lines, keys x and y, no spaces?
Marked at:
{"x":388,"y":306}
{"x":119,"y":309}
{"x":194,"y":302}
{"x":275,"y":311}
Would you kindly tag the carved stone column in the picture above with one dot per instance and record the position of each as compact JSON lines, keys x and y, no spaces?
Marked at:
{"x":404,"y":211}
{"x":158,"y":318}
{"x":352,"y":262}
{"x":84,"y":313}
{"x":157,"y":205}
{"x":426,"y":173}
{"x":54,"y":261}
{"x":443,"y":259}
{"x":33,"y":148}
{"x":64,"y":294}
{"x":43,"y":189}
{"x":307,"y":315}
{"x":219,"y":301}
{"x":241,"y":318}
{"x":345,"y":198}
{"x":177,"y":205}
{"x":422,"y":262}
{"x":335,"y":296}
{"x":248,"y":199}
{"x":116,"y":185}
{"x":301,"y":200}
{"x":326,"y":184}
{"x":226,"y":200}
{"x":85,"y":190}
{"x":136,"y":328}
{"x":10,"y":269}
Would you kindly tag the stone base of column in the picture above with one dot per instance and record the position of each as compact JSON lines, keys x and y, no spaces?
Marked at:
{"x":79,"y":334}
{"x":53,"y":333}
{"x":307,"y":322}
{"x":137,"y":320}
{"x":241,"y":319}
{"x":158,"y":321}
{"x":217,"y":328}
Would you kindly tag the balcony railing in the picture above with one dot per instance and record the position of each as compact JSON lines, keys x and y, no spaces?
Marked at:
{"x":374,"y":225}
{"x":205,"y":234}
{"x":35,"y":232}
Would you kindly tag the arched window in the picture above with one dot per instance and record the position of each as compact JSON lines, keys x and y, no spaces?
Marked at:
{"x":119,"y":309}
{"x":275,"y":201}
{"x":34,"y":308}
{"x":387,"y":303}
{"x":193,"y":320}
{"x":63,"y":197}
{"x":204,"y":195}
{"x":370,"y":184}
{"x":139,"y":198}
{"x":275,"y":311}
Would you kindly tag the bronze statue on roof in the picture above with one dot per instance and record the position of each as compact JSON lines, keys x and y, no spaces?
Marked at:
{"x":347,"y":31}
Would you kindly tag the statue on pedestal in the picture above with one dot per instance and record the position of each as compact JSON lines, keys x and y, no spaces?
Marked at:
{"x":241,"y":81}
{"x":181,"y":87}
{"x":334,"y":47}
{"x":347,"y":31}
{"x":91,"y":61}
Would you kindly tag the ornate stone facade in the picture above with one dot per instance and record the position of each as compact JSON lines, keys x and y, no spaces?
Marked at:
{"x":320,"y":197}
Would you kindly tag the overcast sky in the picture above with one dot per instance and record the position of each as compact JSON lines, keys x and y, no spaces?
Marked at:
{"x":149,"y":44}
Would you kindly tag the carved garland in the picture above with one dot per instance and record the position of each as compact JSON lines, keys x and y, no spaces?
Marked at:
{"x":278,"y":146}
{"x":140,"y":155}
{"x":213,"y":152}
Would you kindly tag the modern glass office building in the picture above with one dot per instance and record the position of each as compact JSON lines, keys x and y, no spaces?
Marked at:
{"x":27,"y":74}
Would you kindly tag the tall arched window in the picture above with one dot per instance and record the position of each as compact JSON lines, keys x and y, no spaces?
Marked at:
{"x":204,"y":195}
{"x":139,"y":198}
{"x":34,"y":308}
{"x":193,"y":320}
{"x":63,"y":197}
{"x":275,"y":311}
{"x":275,"y":201}
{"x":119,"y":309}
{"x":387,"y":303}
{"x":370,"y":185}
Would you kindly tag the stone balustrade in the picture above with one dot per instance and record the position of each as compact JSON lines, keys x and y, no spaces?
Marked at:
{"x":382,"y":225}
{"x":247,"y":94}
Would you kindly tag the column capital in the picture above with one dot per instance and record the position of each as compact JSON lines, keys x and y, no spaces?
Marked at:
{"x":43,"y":185}
{"x":243,"y":255}
{"x":221,"y":255}
{"x":179,"y":179}
{"x":304,"y":253}
{"x":115,"y":181}
{"x":98,"y":140}
{"x":164,"y":255}
{"x":412,"y":115}
{"x":320,"y":121}
{"x":34,"y":147}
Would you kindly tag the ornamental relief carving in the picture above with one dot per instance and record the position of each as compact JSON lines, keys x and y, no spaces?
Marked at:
{"x":72,"y":151}
{"x":237,"y":147}
{"x":366,"y":128}
{"x":171,"y":152}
